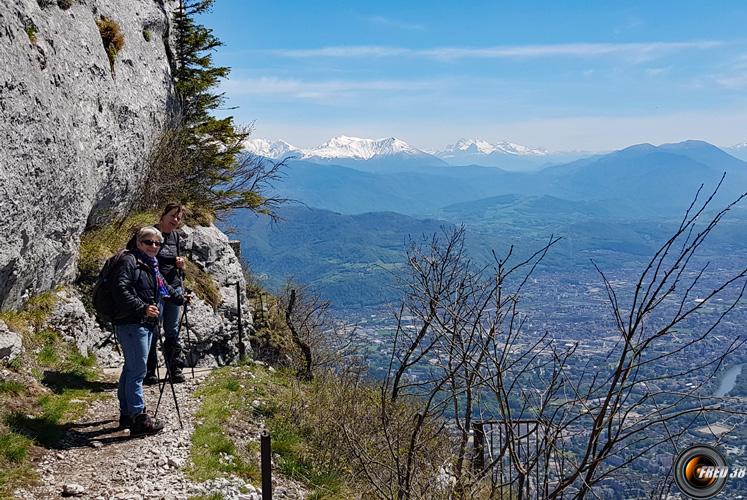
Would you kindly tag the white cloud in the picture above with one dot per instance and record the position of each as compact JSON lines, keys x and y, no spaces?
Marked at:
{"x":641,"y":51}
{"x":658,"y":71}
{"x":733,"y":82}
{"x":320,"y":90}
{"x":343,"y":51}
{"x":395,"y":23}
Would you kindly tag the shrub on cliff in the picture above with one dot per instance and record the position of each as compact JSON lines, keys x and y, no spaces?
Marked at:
{"x":31,"y":30}
{"x":111,"y":37}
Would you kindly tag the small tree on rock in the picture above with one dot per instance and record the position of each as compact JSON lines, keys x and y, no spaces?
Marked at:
{"x":199,"y":158}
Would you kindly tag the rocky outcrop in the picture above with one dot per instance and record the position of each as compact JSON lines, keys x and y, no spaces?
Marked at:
{"x":70,"y":318}
{"x":214,"y":333}
{"x":75,"y":130}
{"x":10,"y":344}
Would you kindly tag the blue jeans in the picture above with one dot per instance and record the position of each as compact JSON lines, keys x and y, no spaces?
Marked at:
{"x":170,"y":313}
{"x":135,"y":341}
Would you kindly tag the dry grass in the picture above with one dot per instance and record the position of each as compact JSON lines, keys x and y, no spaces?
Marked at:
{"x":112,"y":38}
{"x":200,"y":282}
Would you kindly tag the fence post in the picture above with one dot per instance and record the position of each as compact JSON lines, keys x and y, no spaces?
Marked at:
{"x":478,"y":461}
{"x":242,"y":347}
{"x":266,"y":465}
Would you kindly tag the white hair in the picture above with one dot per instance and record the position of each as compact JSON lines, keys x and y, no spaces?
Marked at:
{"x":148,"y":232}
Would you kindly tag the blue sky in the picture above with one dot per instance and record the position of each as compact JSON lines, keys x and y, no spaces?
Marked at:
{"x":563,"y":75}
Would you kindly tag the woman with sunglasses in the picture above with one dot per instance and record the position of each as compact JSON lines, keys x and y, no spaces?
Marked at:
{"x":171,"y":265}
{"x":139,"y":290}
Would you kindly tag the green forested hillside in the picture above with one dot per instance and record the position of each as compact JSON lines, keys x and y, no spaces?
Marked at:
{"x":350,"y":259}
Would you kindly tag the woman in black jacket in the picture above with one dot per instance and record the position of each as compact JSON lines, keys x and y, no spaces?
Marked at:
{"x":171,"y":264}
{"x":139,"y":289}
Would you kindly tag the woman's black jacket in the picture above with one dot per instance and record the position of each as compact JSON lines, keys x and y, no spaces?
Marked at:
{"x":134,"y":287}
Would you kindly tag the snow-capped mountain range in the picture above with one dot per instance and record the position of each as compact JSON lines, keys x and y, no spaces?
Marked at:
{"x":738,"y":150}
{"x":393,"y":151}
{"x":356,"y":148}
{"x":479,"y":146}
{"x":338,"y":147}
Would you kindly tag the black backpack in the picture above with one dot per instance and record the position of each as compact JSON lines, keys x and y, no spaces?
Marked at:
{"x":103,"y":299}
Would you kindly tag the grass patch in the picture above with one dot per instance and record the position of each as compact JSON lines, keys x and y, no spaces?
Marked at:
{"x":229,"y":396}
{"x":199,"y":215}
{"x":212,"y":496}
{"x":46,"y":418}
{"x":213,"y":453}
{"x":97,"y":245}
{"x":12,"y":387}
{"x":147,"y":35}
{"x":27,"y":422}
{"x":13,"y":448}
{"x":38,"y":412}
{"x":14,"y":469}
{"x":32,"y":316}
{"x":294,"y":443}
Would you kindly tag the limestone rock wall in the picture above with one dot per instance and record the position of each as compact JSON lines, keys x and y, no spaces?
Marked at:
{"x":73,"y":133}
{"x":214,"y":334}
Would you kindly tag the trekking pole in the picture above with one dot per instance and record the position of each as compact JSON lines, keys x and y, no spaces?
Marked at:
{"x":185,"y":320}
{"x":162,"y":386}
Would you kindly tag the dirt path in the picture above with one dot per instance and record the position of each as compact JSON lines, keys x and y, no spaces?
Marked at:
{"x":98,"y":461}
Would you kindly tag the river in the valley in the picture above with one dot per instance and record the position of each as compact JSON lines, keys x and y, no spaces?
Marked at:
{"x":728,"y":380}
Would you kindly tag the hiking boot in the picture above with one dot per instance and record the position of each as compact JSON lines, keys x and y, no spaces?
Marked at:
{"x":150,"y":379}
{"x":125,"y":421}
{"x":173,"y":353}
{"x":177,"y":377}
{"x":143,"y":425}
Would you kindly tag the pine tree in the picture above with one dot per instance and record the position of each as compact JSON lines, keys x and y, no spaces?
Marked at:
{"x":199,"y":159}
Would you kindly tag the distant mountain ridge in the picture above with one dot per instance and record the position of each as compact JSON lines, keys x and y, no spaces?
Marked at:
{"x":479,"y":146}
{"x":344,"y":148}
{"x":384,"y":153}
{"x":646,"y":176}
{"x":738,"y":151}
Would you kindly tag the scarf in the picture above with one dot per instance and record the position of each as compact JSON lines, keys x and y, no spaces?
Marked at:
{"x":152,"y":262}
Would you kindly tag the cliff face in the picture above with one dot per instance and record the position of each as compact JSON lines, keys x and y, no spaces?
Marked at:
{"x":73,"y":133}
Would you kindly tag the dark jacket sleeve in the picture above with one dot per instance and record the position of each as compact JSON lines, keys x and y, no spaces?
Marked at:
{"x":125,"y":294}
{"x":174,"y":297}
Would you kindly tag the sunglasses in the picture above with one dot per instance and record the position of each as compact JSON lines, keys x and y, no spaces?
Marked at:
{"x":151,"y":243}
